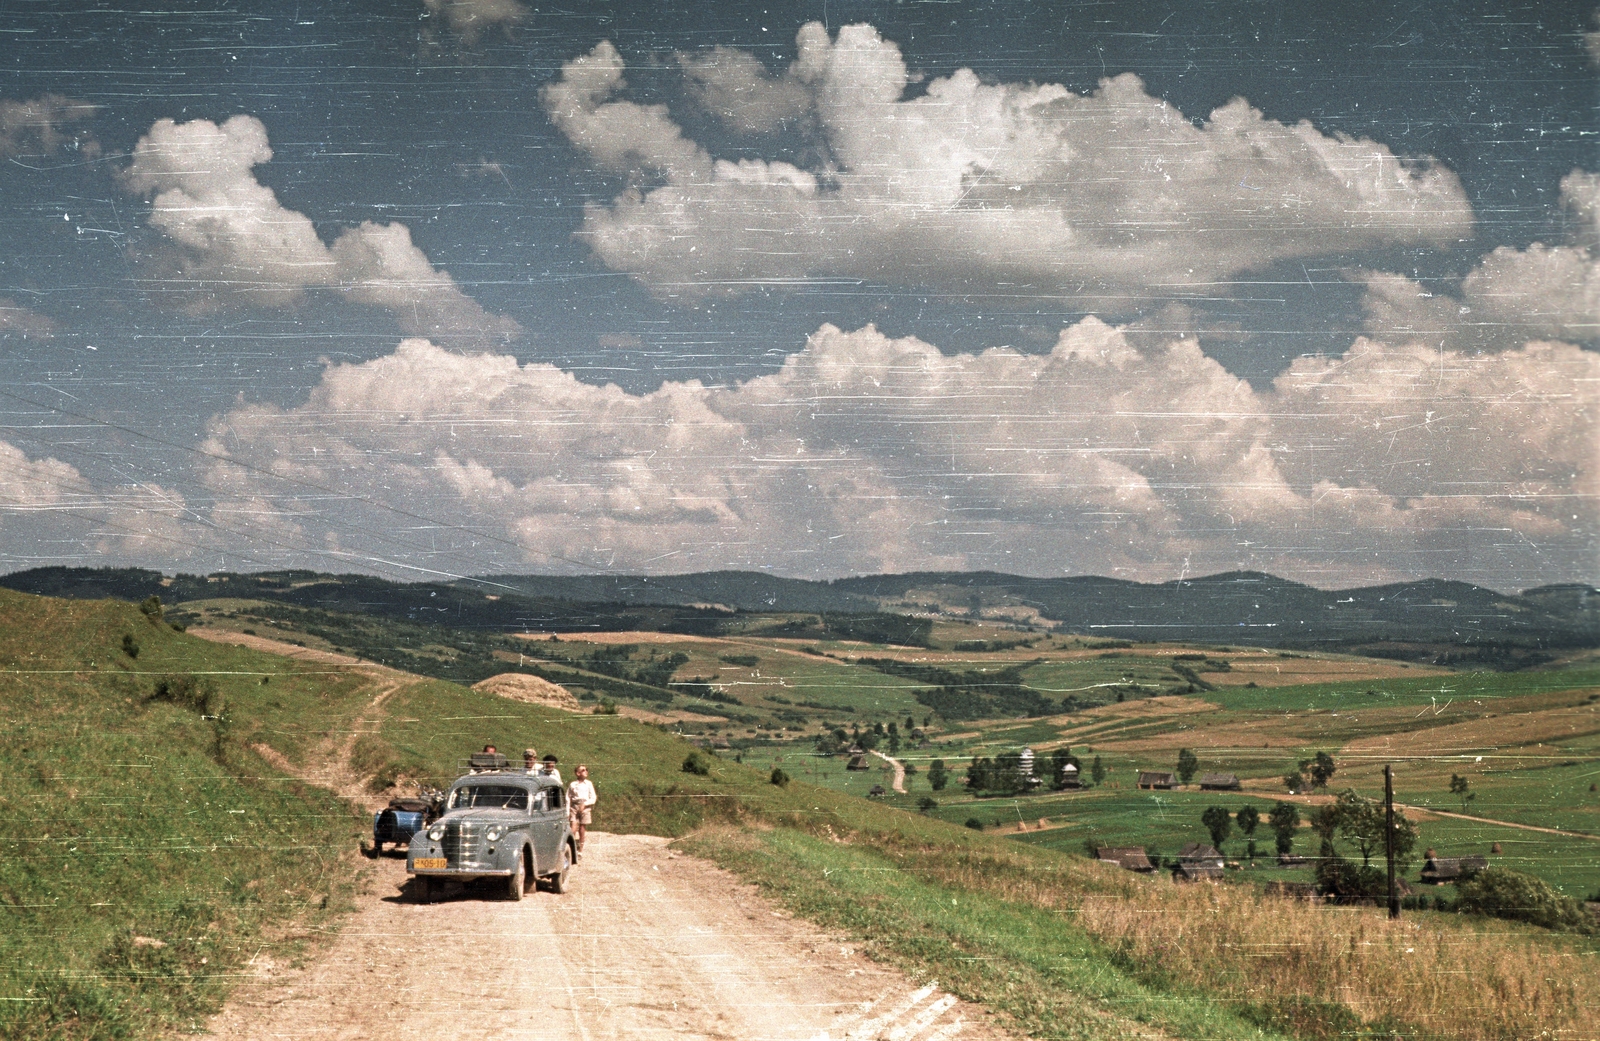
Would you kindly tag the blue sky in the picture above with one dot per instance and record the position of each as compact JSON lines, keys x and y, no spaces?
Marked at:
{"x":1119,"y":288}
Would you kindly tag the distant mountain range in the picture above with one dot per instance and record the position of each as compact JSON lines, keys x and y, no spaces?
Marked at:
{"x":1432,"y":617}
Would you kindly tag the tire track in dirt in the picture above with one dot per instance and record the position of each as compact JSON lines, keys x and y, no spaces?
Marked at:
{"x":646,"y":945}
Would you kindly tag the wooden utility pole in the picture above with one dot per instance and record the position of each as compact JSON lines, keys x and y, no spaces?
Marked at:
{"x":1388,"y":837}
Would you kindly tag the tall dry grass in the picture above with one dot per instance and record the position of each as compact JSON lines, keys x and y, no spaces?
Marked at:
{"x":1300,"y":962}
{"x":1449,"y":980}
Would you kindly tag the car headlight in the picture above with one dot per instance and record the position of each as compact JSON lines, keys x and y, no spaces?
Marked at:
{"x":436,"y":832}
{"x":494,"y":831}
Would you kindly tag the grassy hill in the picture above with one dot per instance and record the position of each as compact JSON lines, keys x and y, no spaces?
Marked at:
{"x":157,"y":849}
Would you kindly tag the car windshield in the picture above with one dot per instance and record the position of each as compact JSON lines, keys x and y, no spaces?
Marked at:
{"x":492,"y":796}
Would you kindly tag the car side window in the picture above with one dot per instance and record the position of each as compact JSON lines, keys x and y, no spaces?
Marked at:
{"x":555,"y":798}
{"x":538,"y":800}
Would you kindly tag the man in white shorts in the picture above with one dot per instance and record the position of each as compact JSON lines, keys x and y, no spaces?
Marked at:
{"x":581,"y":797}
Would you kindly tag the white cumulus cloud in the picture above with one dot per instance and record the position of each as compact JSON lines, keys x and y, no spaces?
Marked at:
{"x":128,"y":520}
{"x":971,"y":183}
{"x":236,"y":244}
{"x":1512,"y":295}
{"x":868,"y":453}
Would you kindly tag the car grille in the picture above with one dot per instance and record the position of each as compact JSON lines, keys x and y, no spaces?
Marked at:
{"x":462,"y":842}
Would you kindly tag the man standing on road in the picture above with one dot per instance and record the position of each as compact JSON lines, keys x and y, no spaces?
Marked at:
{"x":581,"y":797}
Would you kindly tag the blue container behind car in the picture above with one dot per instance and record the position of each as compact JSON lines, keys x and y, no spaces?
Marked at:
{"x":397,"y":822}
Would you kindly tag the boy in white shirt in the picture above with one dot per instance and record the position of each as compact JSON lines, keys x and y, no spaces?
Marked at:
{"x":581,"y":797}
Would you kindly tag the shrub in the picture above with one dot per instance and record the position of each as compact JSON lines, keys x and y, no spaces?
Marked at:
{"x":606,"y":708}
{"x":130,"y":646}
{"x":697,"y":764}
{"x":975,"y":824}
{"x":927,"y":804}
{"x":779,"y":778}
{"x":1503,"y":893}
{"x":151,"y":608}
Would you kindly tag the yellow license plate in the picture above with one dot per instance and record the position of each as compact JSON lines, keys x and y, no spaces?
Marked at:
{"x":429,"y":864}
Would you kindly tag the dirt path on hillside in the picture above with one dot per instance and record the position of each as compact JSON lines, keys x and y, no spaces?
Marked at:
{"x":899,"y":782}
{"x":329,"y":763}
{"x":1491,"y":820}
{"x":646,"y":944}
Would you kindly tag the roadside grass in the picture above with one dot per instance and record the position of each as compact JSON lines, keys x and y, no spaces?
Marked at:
{"x":150,"y":853}
{"x":1041,"y":970}
{"x":1037,"y":935}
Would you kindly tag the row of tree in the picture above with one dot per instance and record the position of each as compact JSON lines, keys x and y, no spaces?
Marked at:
{"x":1009,"y":774}
{"x":1283,"y":821}
{"x":1355,"y":821}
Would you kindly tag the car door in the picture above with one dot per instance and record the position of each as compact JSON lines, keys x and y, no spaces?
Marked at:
{"x":550,"y":811}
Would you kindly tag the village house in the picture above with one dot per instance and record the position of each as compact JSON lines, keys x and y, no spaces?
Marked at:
{"x":1219,"y":782}
{"x":1165,"y":780}
{"x":858,"y":758}
{"x":1130,"y":858}
{"x":1437,"y":870}
{"x":1069,"y":776}
{"x":1196,"y":861}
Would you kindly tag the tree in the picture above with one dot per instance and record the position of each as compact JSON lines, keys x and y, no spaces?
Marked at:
{"x":937,"y":777}
{"x":1219,"y":823}
{"x":1008,"y":775}
{"x":894,"y":740}
{"x":1320,"y":768}
{"x":1247,"y":818}
{"x":980,"y":774}
{"x":1362,"y":823}
{"x":778,"y":777}
{"x":1188,"y":763}
{"x":1284,"y":821}
{"x":1458,"y":787}
{"x":1097,"y":770}
{"x":1295,"y":781}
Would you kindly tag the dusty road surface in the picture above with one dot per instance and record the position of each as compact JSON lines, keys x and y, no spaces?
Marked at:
{"x":646,"y":944}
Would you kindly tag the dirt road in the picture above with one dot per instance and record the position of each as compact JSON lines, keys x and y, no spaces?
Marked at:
{"x":646,"y":944}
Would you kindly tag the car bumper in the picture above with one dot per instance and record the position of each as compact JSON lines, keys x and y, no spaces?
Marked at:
{"x":459,"y":874}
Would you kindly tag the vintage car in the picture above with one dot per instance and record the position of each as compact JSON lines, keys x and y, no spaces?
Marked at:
{"x":502,"y":825}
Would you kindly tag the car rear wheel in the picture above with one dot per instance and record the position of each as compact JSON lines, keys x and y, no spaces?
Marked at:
{"x":558,"y":881}
{"x":514,"y":883}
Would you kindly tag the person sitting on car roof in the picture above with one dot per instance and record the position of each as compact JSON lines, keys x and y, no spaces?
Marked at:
{"x":548,"y":769}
